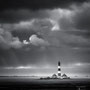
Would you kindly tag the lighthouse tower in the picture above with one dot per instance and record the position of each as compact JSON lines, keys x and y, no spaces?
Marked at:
{"x":59,"y":69}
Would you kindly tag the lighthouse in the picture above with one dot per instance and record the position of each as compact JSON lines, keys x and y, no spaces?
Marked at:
{"x":59,"y":69}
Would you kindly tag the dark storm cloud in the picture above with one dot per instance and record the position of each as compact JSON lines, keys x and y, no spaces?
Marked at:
{"x":44,"y":35}
{"x":43,"y":28}
{"x":76,"y":21}
{"x":36,"y":4}
{"x":8,"y":41}
{"x":82,"y":18}
{"x":15,"y":16}
{"x":15,"y":11}
{"x":78,"y":18}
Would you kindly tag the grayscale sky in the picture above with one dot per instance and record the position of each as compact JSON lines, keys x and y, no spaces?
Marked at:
{"x":36,"y":34}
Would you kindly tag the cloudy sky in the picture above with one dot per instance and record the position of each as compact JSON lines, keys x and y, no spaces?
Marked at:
{"x":36,"y":34}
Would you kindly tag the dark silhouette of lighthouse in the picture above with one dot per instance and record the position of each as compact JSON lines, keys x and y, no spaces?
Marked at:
{"x":59,"y":69}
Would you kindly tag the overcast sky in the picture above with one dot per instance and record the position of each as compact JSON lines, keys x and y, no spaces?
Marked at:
{"x":36,"y":34}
